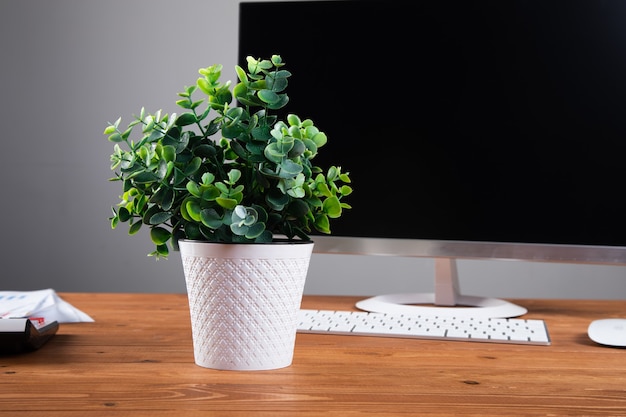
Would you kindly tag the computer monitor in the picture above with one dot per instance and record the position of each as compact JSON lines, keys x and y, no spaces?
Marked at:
{"x":472,"y":129}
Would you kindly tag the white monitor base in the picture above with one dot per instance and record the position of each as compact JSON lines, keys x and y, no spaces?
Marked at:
{"x":466,"y":306}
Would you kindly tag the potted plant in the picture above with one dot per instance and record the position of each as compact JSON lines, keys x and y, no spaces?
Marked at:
{"x":224,"y":175}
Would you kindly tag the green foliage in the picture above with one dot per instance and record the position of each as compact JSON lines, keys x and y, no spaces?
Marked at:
{"x":225,"y":173}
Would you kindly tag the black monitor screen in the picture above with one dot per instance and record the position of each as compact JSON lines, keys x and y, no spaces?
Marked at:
{"x":471,"y":120}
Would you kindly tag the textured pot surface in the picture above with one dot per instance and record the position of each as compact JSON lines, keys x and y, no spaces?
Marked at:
{"x":244,"y":301}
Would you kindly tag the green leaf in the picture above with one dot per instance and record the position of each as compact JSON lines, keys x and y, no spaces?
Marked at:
{"x":162,"y":169}
{"x":211,"y":218}
{"x":233,"y":176}
{"x":162,"y":251}
{"x":116,"y":137}
{"x":193,"y":210}
{"x":145,"y":177}
{"x":205,"y":151}
{"x":232,"y":130}
{"x":279,"y":84}
{"x":210,"y":193}
{"x":255,"y":230}
{"x":185,"y":104}
{"x":145,"y":218}
{"x":332,"y":207}
{"x":140,"y":203}
{"x":322,"y":224}
{"x":168,"y":199}
{"x":323,"y":189}
{"x":186,"y":119}
{"x":273,"y":153}
{"x":289,"y":169}
{"x":283,"y":99}
{"x":268,"y":96}
{"x":134,"y":228}
{"x":265,"y":237}
{"x":277,"y":200}
{"x":298,"y":208}
{"x":194,"y":189}
{"x":293,"y":120}
{"x":248,"y":102}
{"x":168,"y":153}
{"x":227,"y":203}
{"x":320,"y":139}
{"x":298,"y":149}
{"x":222,"y":187}
{"x":262,"y":133}
{"x":193,"y":166}
{"x":241,"y":74}
{"x":195,"y":104}
{"x":124,"y":214}
{"x":239,"y":230}
{"x":192,"y":231}
{"x":221,"y":97}
{"x":159,"y":235}
{"x":160,"y":217}
{"x":238,"y":149}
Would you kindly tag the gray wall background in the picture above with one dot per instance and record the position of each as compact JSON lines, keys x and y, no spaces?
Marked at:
{"x":70,"y":66}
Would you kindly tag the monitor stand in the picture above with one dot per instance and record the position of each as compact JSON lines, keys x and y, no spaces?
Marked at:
{"x":445,"y":301}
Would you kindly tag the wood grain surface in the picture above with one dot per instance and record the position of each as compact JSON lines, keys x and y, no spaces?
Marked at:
{"x":136,"y":359}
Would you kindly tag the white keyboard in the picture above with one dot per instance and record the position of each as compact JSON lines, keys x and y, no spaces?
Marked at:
{"x":520,"y":331}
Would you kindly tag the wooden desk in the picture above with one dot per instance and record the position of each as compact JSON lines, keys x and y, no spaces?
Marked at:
{"x":136,"y":359}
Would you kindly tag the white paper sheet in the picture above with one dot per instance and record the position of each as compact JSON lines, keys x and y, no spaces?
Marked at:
{"x":40,"y":303}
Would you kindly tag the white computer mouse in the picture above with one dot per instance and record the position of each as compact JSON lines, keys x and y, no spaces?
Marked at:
{"x":610,"y":332}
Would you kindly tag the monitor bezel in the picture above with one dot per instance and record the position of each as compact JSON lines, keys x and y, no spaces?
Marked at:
{"x":427,"y":248}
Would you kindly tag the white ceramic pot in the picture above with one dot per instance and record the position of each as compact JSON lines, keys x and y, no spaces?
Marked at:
{"x":244,"y":301}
